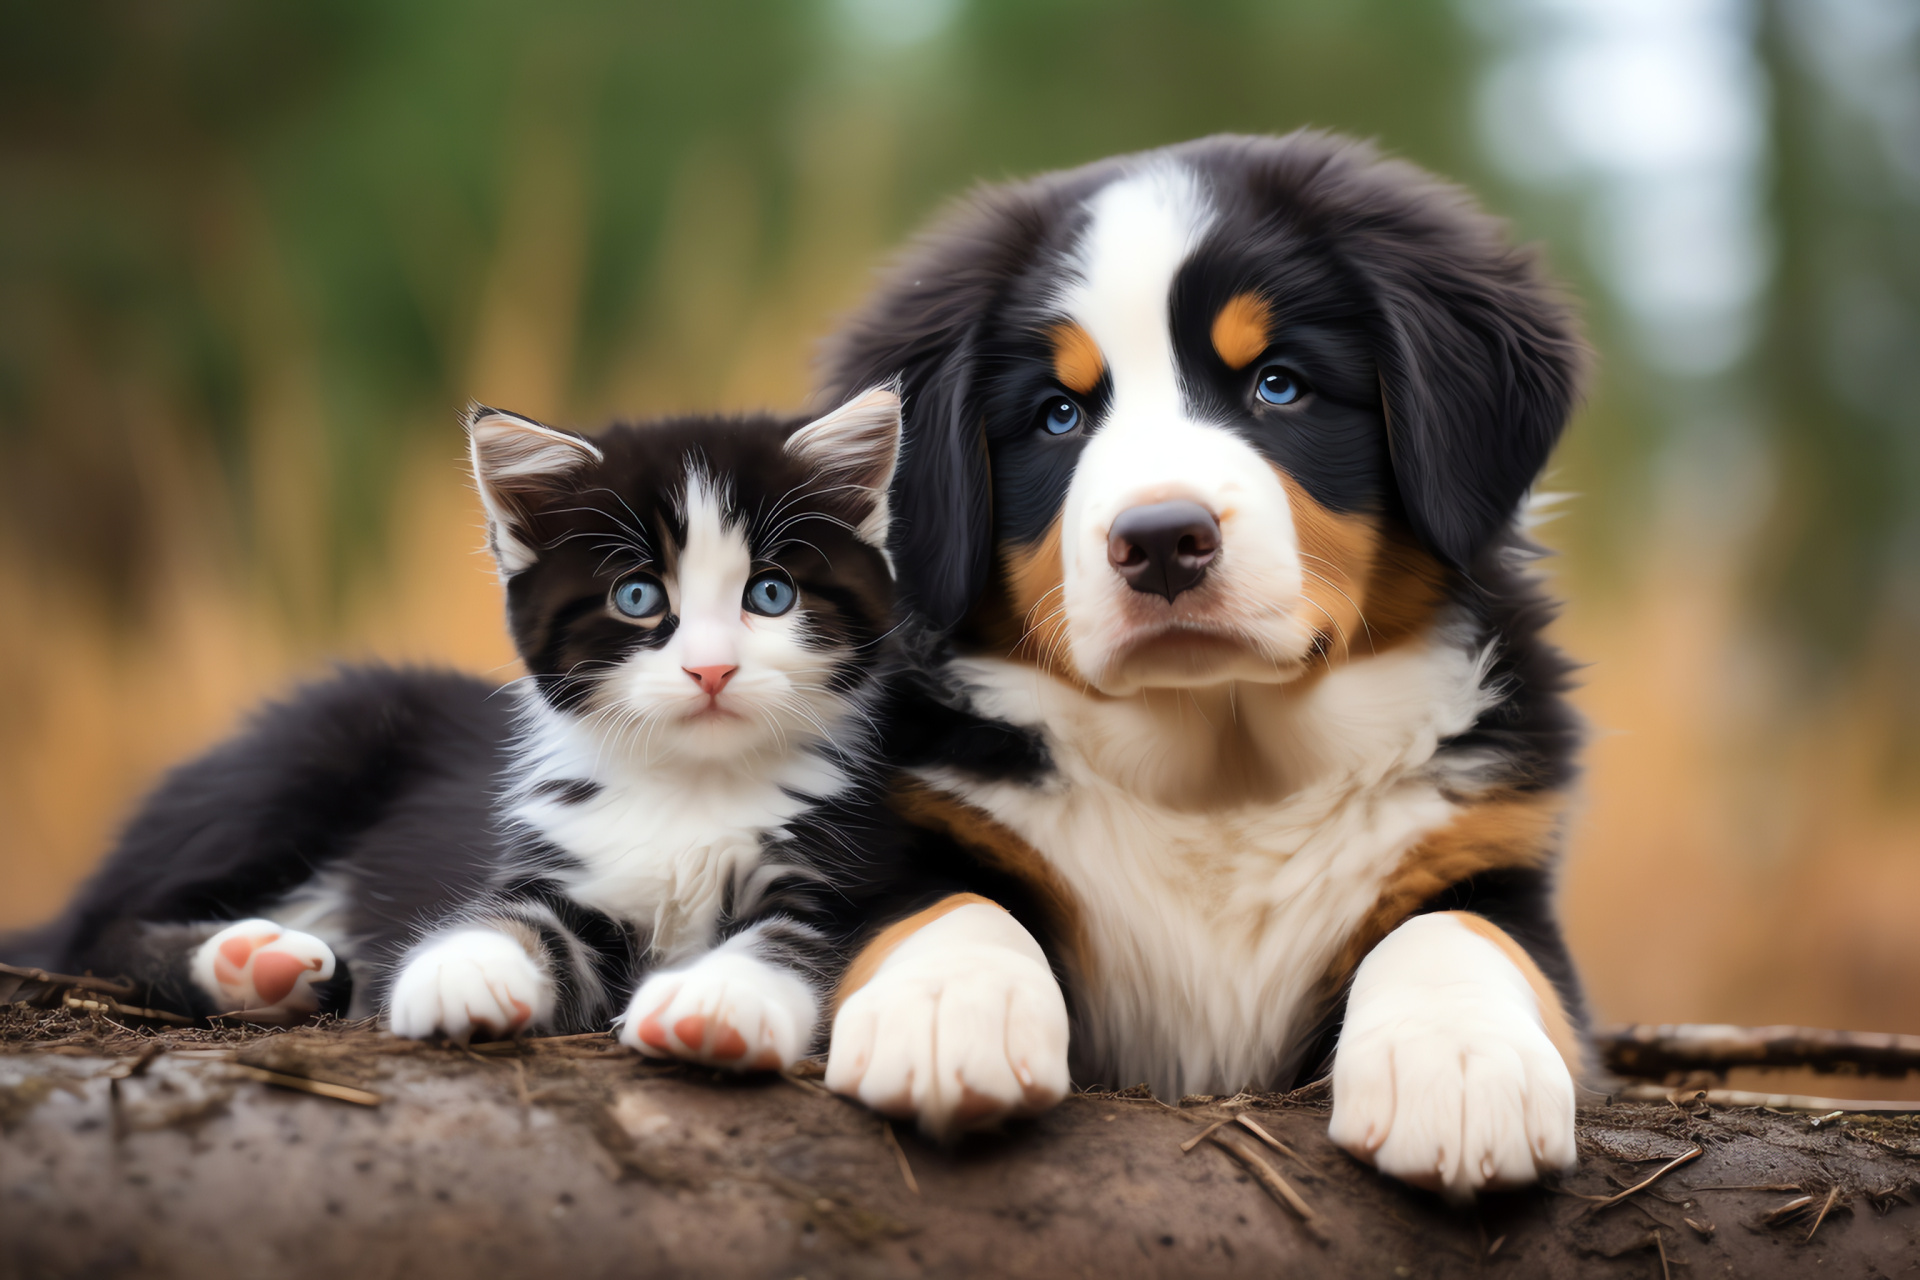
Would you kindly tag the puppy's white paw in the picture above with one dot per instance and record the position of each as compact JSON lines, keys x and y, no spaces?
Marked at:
{"x":962,"y":1026}
{"x":728,"y":1009}
{"x":466,"y":981}
{"x":266,"y":973}
{"x":1445,"y":1076}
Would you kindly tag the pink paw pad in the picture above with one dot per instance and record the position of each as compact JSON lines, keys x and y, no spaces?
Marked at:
{"x":257,"y":966}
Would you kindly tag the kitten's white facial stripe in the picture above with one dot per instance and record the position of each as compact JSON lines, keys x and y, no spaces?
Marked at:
{"x":709,"y":577}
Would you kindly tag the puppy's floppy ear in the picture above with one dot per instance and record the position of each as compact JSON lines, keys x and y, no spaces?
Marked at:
{"x":857,"y":446}
{"x":919,"y":333}
{"x":515,"y":461}
{"x":1479,"y":360}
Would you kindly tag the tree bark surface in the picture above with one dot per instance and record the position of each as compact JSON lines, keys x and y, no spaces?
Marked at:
{"x":201,"y":1154}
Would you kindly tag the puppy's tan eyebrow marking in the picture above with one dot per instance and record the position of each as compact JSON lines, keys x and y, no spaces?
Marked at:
{"x":1242,"y":330}
{"x":1077,"y":361}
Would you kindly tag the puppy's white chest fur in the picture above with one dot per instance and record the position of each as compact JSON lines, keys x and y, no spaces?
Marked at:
{"x":1209,"y":921}
{"x":659,"y":847}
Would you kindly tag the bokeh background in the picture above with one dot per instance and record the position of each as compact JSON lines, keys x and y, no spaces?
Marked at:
{"x":253,"y":259}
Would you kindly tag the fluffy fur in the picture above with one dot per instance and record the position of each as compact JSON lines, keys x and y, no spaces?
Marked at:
{"x":676,"y":819}
{"x":1213,"y":458}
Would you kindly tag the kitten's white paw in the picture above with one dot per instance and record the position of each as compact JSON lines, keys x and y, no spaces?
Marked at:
{"x":258,"y":969}
{"x":962,"y":1026}
{"x":466,"y":981}
{"x":728,"y":1009}
{"x":1445,"y":1076}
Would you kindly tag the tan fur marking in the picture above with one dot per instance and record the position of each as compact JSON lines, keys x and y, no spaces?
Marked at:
{"x":1553,"y":1014}
{"x":1371,"y":587}
{"x":884,"y":943}
{"x":1077,"y":361}
{"x":1002,"y":850}
{"x":1243,"y":329}
{"x":1503,"y":831}
{"x":1036,"y":597}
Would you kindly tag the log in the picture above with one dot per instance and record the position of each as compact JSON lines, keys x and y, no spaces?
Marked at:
{"x":337,"y":1150}
{"x":1654,"y":1052}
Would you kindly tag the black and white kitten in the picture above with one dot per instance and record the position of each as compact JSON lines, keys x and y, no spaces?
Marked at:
{"x":677,"y":819}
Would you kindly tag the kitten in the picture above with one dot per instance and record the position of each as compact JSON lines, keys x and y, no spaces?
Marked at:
{"x":677,"y":818}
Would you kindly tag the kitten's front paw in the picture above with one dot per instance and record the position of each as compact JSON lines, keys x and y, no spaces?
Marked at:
{"x":472,"y":980}
{"x":961,"y":1027}
{"x":258,"y":970}
{"x":1444,"y":1076}
{"x":728,"y":1009}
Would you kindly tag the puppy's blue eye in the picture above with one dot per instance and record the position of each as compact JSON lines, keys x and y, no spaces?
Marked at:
{"x":1059,"y":416}
{"x":770,"y":594}
{"x":1278,"y":385}
{"x":640,"y":597}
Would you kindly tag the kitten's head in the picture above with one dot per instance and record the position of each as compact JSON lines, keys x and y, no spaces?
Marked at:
{"x":700,"y":588}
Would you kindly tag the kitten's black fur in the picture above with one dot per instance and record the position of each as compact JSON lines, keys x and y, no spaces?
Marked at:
{"x":372,"y":807}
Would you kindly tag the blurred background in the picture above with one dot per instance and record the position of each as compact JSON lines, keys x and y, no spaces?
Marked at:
{"x":254,"y":258}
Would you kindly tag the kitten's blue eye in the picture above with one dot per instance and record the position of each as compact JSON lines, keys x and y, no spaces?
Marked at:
{"x":771,"y":594}
{"x":1278,"y":385}
{"x":640,"y":597}
{"x":1059,"y":416}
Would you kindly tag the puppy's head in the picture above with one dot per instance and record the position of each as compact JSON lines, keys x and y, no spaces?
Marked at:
{"x":1218,"y":412}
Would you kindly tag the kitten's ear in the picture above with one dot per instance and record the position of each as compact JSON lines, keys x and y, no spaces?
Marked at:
{"x":515,"y":460}
{"x":857,"y":445}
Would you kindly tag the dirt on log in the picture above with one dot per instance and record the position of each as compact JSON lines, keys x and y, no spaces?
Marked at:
{"x":337,"y":1151}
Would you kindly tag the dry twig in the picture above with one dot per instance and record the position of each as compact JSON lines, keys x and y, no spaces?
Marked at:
{"x":1203,"y":1135}
{"x":1278,"y":1187}
{"x":320,"y":1088}
{"x":1252,"y":1126}
{"x":900,"y":1154}
{"x":1777,"y":1101}
{"x":1833,"y":1194}
{"x":1773,"y":1217}
{"x":1603,"y":1202}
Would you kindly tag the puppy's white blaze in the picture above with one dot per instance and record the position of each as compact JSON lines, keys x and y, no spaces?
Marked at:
{"x":1445,"y":1076}
{"x":1202,"y":961}
{"x":1149,"y":448}
{"x":858,"y":444}
{"x":505,"y":448}
{"x":1140,"y":230}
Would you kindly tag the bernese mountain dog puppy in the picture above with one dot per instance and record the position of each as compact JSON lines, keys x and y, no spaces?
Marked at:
{"x":1214,"y":477}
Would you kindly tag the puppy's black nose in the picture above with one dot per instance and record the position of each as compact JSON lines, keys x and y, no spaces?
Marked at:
{"x":1164,"y":548}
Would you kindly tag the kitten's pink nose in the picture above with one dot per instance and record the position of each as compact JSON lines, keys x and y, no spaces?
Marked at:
{"x":711,"y":679}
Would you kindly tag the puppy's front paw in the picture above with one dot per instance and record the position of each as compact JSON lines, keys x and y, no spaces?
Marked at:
{"x":728,"y":1009}
{"x":1445,"y":1076}
{"x":962,"y":1026}
{"x":256,"y":969}
{"x":471,"y":980}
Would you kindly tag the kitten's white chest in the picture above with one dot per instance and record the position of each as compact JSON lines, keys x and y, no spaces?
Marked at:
{"x":661,"y":855}
{"x":666,"y":849}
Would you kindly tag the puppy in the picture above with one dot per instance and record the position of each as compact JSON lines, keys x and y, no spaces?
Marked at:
{"x":1213,"y":477}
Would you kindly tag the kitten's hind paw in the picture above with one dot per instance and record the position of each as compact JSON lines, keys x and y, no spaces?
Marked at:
{"x":728,"y":1009}
{"x":259,"y":971}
